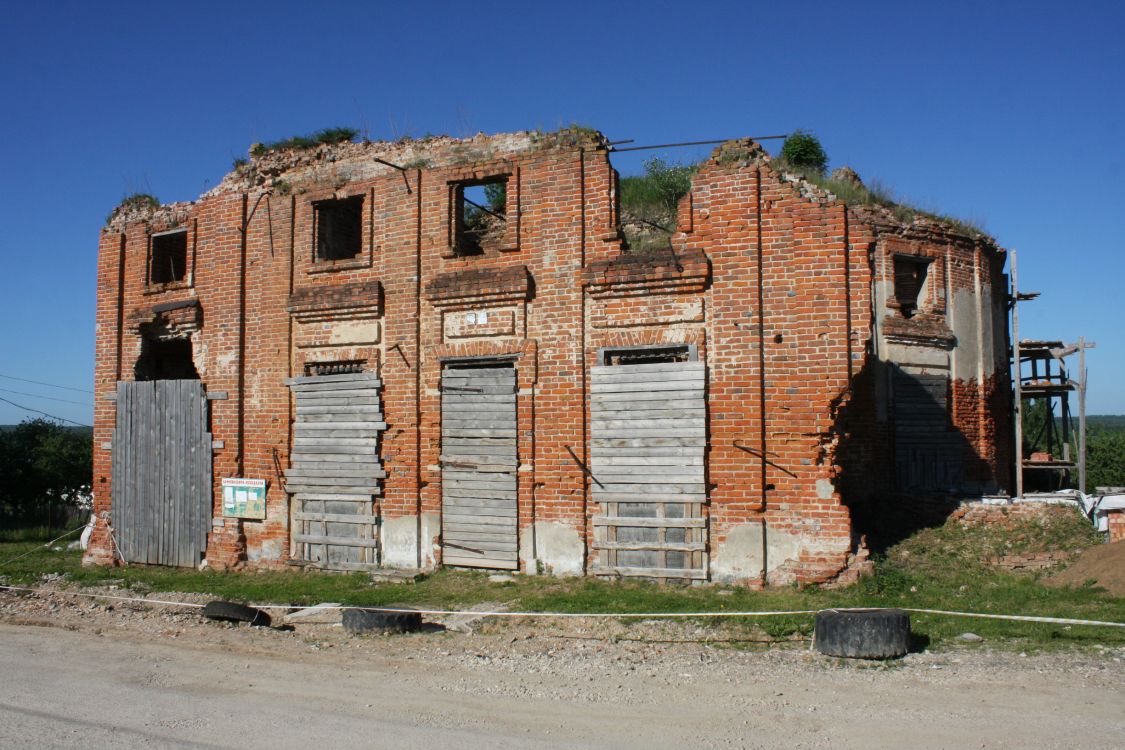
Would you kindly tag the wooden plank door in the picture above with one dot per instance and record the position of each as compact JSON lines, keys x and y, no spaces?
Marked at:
{"x":648,"y":437}
{"x":927,"y":457}
{"x":161,"y":472}
{"x":335,"y":470}
{"x":478,"y":466}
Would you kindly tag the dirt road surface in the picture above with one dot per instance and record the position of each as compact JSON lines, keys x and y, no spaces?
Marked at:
{"x":84,"y":675}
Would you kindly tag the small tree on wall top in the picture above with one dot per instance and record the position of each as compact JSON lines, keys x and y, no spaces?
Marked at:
{"x":802,"y":149}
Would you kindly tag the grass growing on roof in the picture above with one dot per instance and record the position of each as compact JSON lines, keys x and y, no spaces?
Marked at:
{"x":132,"y":202}
{"x":874,"y":193}
{"x":299,"y":142}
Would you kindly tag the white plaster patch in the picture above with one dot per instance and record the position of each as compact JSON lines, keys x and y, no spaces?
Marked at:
{"x":825,"y":489}
{"x":269,"y":549}
{"x":400,"y":542}
{"x":556,"y":548}
{"x":740,"y":556}
{"x":964,"y":320}
{"x":338,"y":333}
{"x":431,"y":536}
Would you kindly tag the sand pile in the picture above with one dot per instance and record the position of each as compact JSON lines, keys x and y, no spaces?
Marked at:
{"x":1104,"y":563}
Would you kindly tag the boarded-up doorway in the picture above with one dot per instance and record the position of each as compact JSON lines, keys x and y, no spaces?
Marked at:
{"x":161,"y":472}
{"x":335,"y":469}
{"x":479,"y":463}
{"x":927,"y":456}
{"x":648,"y":435}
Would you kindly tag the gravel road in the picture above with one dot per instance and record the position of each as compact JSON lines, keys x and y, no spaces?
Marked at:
{"x":79,"y":673}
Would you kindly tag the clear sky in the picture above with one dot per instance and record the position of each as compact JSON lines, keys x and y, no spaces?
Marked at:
{"x":1008,"y":113}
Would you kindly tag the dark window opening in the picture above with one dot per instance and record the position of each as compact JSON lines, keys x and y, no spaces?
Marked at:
{"x":168,"y":359}
{"x":481,"y":214}
{"x":910,"y":278}
{"x":649,"y":355}
{"x":169,"y":258}
{"x":339,"y":228}
{"x":341,"y":367}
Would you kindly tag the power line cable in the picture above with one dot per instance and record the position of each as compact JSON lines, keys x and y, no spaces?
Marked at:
{"x":49,"y":385}
{"x":49,"y":398}
{"x":45,"y":414}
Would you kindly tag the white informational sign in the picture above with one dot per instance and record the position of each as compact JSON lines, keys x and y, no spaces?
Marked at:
{"x":244,"y":498}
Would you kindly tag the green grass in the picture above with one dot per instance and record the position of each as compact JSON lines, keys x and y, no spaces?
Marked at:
{"x":299,"y":142}
{"x":898,"y":582}
{"x":874,"y":193}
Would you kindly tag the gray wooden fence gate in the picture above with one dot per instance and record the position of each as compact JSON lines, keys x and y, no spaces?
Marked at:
{"x":648,"y":435}
{"x":335,"y":470}
{"x":161,"y":472}
{"x":478,"y":467}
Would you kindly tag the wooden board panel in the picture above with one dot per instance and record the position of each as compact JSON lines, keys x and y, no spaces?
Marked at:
{"x":628,"y":572}
{"x":672,"y":523}
{"x":368,"y":380}
{"x":648,"y":432}
{"x":335,"y":470}
{"x":479,"y":461}
{"x":161,"y":467}
{"x":335,"y":517}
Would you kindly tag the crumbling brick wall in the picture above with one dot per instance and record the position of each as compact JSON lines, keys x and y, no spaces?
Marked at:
{"x":776,"y":285}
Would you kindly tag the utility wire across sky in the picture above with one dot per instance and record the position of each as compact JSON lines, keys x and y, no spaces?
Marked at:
{"x":49,"y":398}
{"x":49,"y":385}
{"x":45,"y":414}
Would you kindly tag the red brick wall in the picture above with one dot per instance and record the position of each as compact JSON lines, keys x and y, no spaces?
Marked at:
{"x":773,"y":286}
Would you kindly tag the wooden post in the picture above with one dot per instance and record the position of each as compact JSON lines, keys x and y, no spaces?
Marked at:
{"x":1018,"y":401}
{"x":1082,"y":347}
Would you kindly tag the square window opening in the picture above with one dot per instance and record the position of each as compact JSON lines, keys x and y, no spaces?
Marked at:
{"x":649,"y":355}
{"x":339,"y":228}
{"x":168,"y":263}
{"x":910,"y":281}
{"x":337,"y":367}
{"x":481,"y":214}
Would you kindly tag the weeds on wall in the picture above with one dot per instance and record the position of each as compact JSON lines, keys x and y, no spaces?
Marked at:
{"x":298,"y":142}
{"x":803,"y":155}
{"x":134,"y":202}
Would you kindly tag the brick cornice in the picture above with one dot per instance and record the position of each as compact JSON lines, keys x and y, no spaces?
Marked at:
{"x":648,"y":273}
{"x":480,"y":285}
{"x":361,"y":299}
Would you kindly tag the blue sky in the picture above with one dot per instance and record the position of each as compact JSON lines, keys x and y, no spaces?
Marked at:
{"x":1010,"y":114}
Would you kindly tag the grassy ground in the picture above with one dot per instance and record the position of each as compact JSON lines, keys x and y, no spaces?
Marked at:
{"x":936,"y":569}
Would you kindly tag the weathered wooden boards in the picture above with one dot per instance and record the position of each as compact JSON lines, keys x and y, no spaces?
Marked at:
{"x":927,"y":456}
{"x":479,"y":462}
{"x":648,"y":436}
{"x":161,"y":472}
{"x":335,"y":470}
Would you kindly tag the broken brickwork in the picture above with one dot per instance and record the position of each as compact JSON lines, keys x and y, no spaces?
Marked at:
{"x":849,"y":356}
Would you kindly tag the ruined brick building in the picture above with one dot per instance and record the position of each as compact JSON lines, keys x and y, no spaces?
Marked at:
{"x":422,"y":377}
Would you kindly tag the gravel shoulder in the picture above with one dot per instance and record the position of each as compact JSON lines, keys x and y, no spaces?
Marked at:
{"x":83,"y":672}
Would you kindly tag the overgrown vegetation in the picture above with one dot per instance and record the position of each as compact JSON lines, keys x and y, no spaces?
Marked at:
{"x":937,"y":569}
{"x":298,"y":142}
{"x":803,"y":155}
{"x":649,"y":203}
{"x":45,"y":472}
{"x":802,"y":150}
{"x":136,"y":201}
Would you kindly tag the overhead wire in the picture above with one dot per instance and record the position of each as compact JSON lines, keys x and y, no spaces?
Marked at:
{"x":48,"y":398}
{"x":45,"y":414}
{"x":49,"y":385}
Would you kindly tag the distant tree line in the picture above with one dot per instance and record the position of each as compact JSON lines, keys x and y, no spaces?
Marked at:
{"x":45,"y":474}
